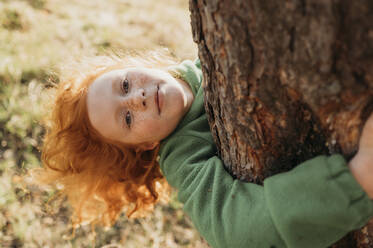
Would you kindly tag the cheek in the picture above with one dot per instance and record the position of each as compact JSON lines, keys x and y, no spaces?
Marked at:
{"x":148,"y":127}
{"x":157,"y":130}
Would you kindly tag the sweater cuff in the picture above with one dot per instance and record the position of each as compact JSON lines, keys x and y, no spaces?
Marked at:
{"x":358,"y":199}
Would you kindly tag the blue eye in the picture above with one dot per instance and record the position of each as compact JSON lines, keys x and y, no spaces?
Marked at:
{"x":128,"y":119}
{"x":125,"y":85}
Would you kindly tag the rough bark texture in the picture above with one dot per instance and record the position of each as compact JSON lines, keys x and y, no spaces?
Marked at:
{"x":285,"y":81}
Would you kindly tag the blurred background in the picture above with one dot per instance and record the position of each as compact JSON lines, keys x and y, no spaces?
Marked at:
{"x":37,"y":36}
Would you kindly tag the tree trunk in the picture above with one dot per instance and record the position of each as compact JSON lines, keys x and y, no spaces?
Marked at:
{"x":285,"y":81}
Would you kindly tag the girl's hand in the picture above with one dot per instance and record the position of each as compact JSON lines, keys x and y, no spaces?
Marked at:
{"x":361,"y":164}
{"x":366,"y":139}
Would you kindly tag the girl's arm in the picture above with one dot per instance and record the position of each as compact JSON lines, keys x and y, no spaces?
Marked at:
{"x":313,"y":205}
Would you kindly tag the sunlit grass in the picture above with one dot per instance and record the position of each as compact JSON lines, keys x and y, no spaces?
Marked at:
{"x":36,"y":37}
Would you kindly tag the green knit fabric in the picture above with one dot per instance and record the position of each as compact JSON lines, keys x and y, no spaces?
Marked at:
{"x":313,"y":205}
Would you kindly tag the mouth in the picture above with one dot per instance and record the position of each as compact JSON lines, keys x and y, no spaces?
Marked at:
{"x":157,"y":100}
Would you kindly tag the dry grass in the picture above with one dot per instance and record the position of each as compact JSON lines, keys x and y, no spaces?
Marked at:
{"x":36,"y":36}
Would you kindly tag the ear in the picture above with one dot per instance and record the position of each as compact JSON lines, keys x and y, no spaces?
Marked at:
{"x":147,"y":146}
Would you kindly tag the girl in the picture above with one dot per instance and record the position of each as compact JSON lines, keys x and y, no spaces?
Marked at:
{"x":114,"y":117}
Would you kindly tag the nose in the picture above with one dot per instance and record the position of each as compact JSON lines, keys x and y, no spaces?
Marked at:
{"x":135,"y":100}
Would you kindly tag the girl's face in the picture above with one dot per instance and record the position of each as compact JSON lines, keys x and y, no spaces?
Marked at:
{"x":137,"y":106}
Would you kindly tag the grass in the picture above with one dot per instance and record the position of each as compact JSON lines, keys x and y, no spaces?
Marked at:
{"x":36,"y":36}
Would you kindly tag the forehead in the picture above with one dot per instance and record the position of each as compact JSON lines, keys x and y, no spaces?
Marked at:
{"x":100,"y":101}
{"x":105,"y":78}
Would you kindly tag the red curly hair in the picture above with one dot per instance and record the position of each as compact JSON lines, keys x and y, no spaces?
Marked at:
{"x":100,"y":178}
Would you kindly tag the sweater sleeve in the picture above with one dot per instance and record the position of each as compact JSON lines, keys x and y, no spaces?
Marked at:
{"x":313,"y":205}
{"x":317,"y":203}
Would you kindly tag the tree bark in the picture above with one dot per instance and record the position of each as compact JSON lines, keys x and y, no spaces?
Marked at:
{"x":285,"y":81}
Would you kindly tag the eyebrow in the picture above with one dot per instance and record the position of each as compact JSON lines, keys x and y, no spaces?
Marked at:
{"x":115,"y":86}
{"x":118,"y":114}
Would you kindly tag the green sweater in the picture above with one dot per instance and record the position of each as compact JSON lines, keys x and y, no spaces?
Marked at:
{"x":313,"y":205}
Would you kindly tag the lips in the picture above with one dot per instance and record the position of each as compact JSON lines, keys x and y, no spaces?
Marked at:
{"x":157,"y":100}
